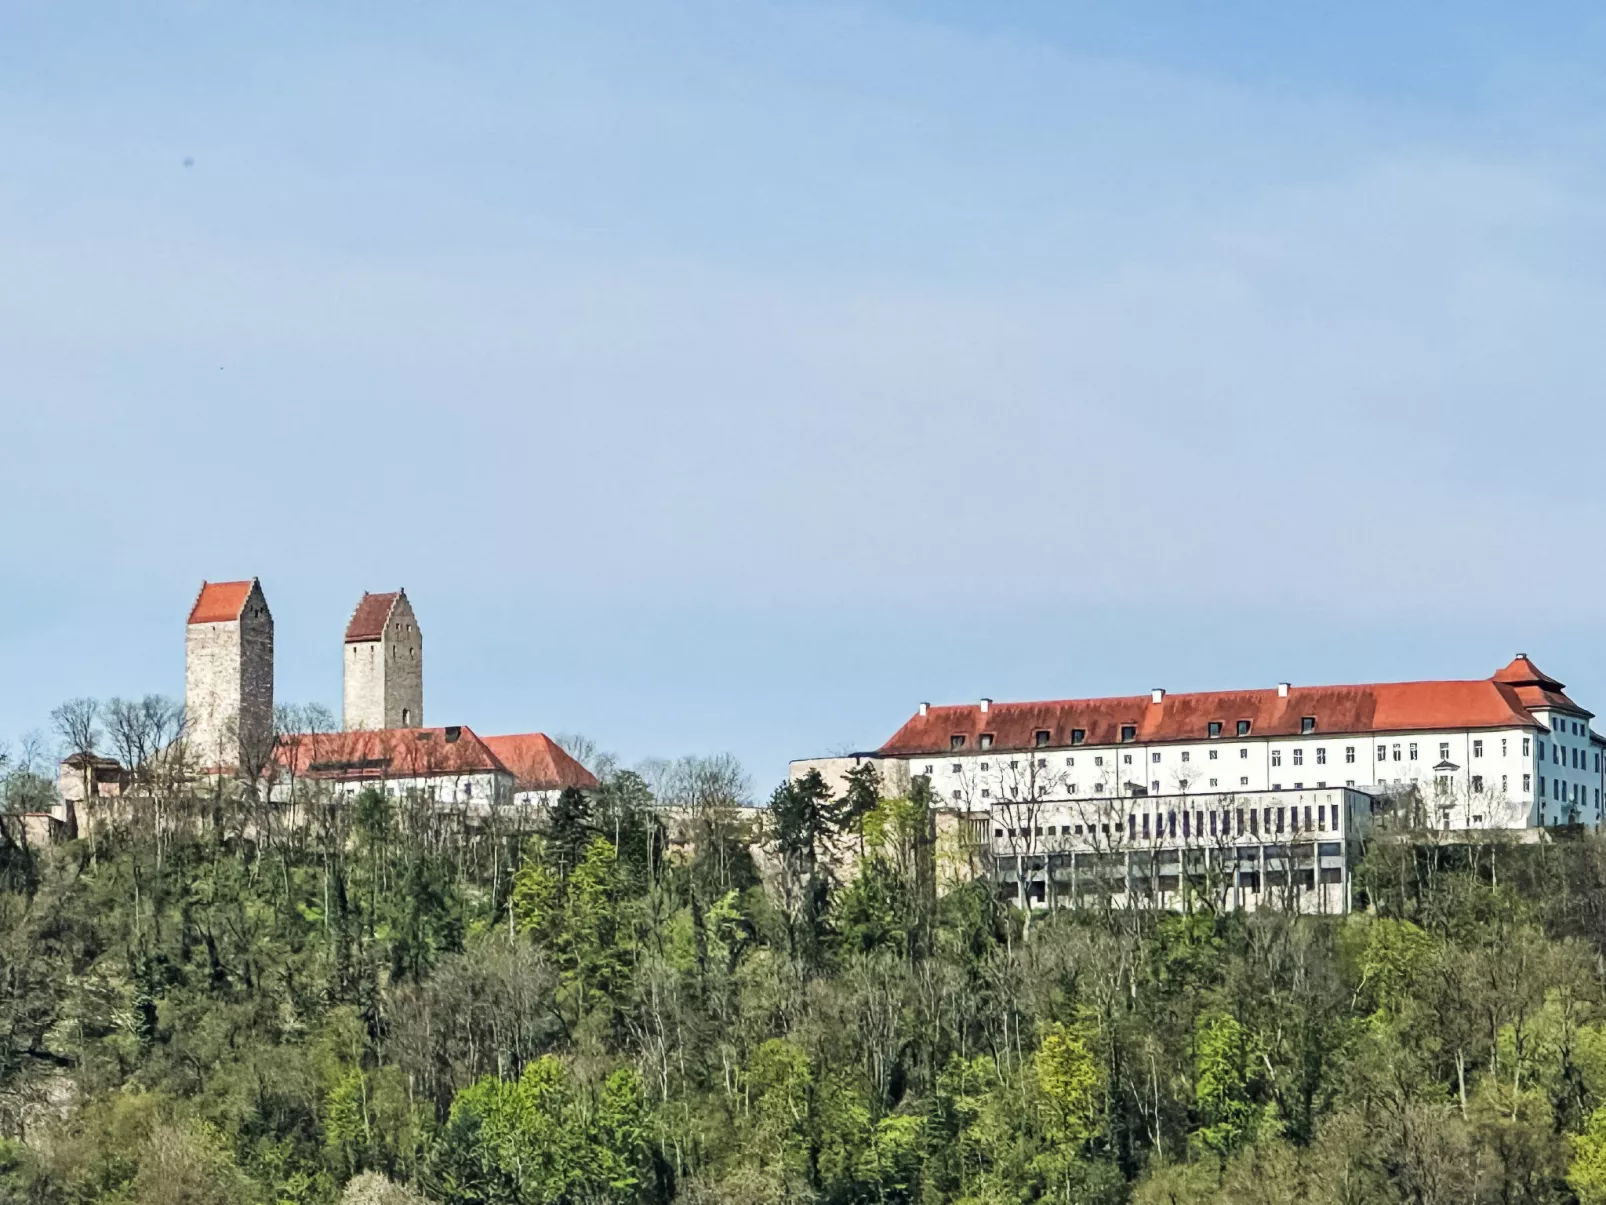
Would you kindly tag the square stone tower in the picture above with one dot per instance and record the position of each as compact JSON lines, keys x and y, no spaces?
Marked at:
{"x":384,"y":670}
{"x":228,"y":676}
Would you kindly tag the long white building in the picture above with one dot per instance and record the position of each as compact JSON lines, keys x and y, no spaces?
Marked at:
{"x":1276,"y":783}
{"x":1507,"y":751}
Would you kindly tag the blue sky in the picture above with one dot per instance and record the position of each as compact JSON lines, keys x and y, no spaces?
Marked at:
{"x":734,"y":376}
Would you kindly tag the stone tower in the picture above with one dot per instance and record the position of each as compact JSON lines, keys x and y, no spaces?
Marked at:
{"x":384,"y":669}
{"x":228,"y":676}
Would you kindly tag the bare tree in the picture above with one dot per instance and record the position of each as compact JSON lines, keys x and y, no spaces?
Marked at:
{"x":77,"y":723}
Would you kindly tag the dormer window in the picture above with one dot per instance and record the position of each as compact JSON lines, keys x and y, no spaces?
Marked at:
{"x":956,"y":741}
{"x":986,"y":740}
{"x":1214,"y":728}
{"x":1042,"y":737}
{"x":1307,"y":723}
{"x":1129,"y":732}
{"x":1078,"y":735}
{"x":1243,"y":727}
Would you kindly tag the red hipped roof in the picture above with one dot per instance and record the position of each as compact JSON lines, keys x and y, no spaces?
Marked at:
{"x":538,"y":763}
{"x":1501,"y":701}
{"x":220,"y":602}
{"x":533,"y":759}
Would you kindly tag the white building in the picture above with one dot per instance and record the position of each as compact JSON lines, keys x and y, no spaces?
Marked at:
{"x":451,"y":767}
{"x":1508,"y":751}
{"x":1251,"y":791}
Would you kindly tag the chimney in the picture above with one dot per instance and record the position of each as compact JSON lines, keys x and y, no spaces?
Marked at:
{"x":1157,"y":694}
{"x":985,"y":704}
{"x":925,"y":707}
{"x":1282,"y":690}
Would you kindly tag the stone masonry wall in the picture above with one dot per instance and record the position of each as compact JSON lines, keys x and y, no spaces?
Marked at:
{"x":384,"y":678}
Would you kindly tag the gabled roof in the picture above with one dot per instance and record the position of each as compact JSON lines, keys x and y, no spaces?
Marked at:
{"x":220,"y":602}
{"x":372,"y":614}
{"x":387,"y":753}
{"x":538,"y":763}
{"x":1501,"y":701}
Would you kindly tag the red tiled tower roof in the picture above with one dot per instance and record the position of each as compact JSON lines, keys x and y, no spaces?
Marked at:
{"x":220,"y":602}
{"x":372,"y":613}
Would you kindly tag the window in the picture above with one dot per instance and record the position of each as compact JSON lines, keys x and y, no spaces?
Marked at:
{"x":998,"y":832}
{"x":1382,"y":753}
{"x":1126,"y":759}
{"x":1042,"y":763}
{"x":1555,"y":754}
{"x":1042,"y":737}
{"x":956,"y":741}
{"x":1527,"y":782}
{"x":956,"y":796}
{"x":1213,"y":753}
{"x":958,"y":767}
{"x":1541,"y":750}
{"x":1243,"y":753}
{"x":1299,"y":757}
{"x":1155,"y":758}
{"x":1098,"y":788}
{"x":1213,"y":782}
{"x":468,"y":790}
{"x":1154,"y":786}
{"x":1525,"y":746}
{"x":1243,"y":782}
{"x":1541,"y":786}
{"x":1243,"y":727}
{"x":1413,"y":752}
{"x":1321,"y":818}
{"x":1276,"y":757}
{"x":407,"y":716}
{"x":1477,"y":748}
{"x":1444,"y":750}
{"x":928,"y":771}
{"x":986,"y":740}
{"x":1503,"y":781}
{"x":1214,"y":728}
{"x":985,"y":793}
{"x":984,"y":767}
{"x":1184,"y":755}
{"x":1070,"y":761}
{"x":1307,"y":723}
{"x":1078,"y":735}
{"x":1321,"y":757}
{"x":1349,"y":754}
{"x":1099,"y":760}
{"x":1477,"y":784}
{"x":1129,"y":732}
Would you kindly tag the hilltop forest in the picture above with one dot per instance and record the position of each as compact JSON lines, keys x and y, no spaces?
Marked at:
{"x":203,"y":1002}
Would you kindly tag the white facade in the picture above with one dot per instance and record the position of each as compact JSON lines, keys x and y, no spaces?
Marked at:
{"x":1290,"y":849}
{"x":1511,"y":751}
{"x":1483,"y":778}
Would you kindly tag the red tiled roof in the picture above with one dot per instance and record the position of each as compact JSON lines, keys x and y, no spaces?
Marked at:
{"x":386,"y":753}
{"x":1378,"y":707}
{"x":369,"y":619}
{"x":538,"y":763}
{"x":220,"y":602}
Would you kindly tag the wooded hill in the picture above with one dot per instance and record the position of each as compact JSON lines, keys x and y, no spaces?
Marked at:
{"x":384,"y":1005}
